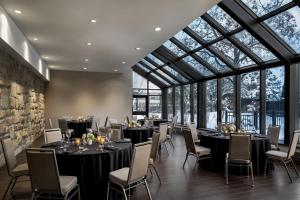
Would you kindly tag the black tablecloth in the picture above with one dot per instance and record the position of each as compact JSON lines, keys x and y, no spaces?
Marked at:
{"x":219,"y":146}
{"x":156,"y":122}
{"x":79,"y":127}
{"x":138,"y":135}
{"x":92,"y":167}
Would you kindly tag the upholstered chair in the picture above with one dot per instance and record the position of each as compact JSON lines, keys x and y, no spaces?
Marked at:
{"x":52,"y":135}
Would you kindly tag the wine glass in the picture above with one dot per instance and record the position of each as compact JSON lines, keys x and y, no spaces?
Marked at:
{"x":69,"y":134}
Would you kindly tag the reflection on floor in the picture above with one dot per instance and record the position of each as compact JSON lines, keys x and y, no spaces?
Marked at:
{"x":195,"y":183}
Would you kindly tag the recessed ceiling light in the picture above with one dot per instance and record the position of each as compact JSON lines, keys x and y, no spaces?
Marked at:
{"x":115,"y":70}
{"x":123,"y":62}
{"x":86,"y":60}
{"x":35,"y":39}
{"x":157,"y":29}
{"x":18,"y":11}
{"x":138,"y":48}
{"x":89,"y":43}
{"x":93,"y":20}
{"x":85,"y":68}
{"x":46,"y":57}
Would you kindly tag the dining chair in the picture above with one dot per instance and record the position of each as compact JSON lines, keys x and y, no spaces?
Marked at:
{"x":45,"y":178}
{"x":273,"y":135}
{"x":283,"y":157}
{"x":62,"y":124}
{"x":52,"y":135}
{"x":127,"y":120}
{"x":112,"y":121}
{"x":200,"y":152}
{"x":163,"y":130}
{"x":50,"y":123}
{"x":14,"y":170}
{"x":154,"y":154}
{"x":194,"y":131}
{"x":239,"y":154}
{"x":106,"y":121}
{"x":135,"y":175}
{"x":116,"y":132}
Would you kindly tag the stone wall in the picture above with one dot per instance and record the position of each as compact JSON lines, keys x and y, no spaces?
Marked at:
{"x":22,"y":107}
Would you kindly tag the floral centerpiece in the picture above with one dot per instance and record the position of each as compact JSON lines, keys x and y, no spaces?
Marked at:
{"x":90,"y":138}
{"x":228,"y":129}
{"x":133,"y":124}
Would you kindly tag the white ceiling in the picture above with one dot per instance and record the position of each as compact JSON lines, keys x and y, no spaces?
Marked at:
{"x":63,"y":29}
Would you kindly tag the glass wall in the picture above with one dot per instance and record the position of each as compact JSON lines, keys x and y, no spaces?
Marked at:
{"x":195,"y":104}
{"x":211,"y":104}
{"x":228,"y":99}
{"x":170,"y":103}
{"x":178,"y":104}
{"x":155,"y":107}
{"x":250,"y":105}
{"x":186,"y":104}
{"x":275,"y":98}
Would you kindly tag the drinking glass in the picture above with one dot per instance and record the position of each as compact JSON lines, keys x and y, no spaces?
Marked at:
{"x":69,"y":134}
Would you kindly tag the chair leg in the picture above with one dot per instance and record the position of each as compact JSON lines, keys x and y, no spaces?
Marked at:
{"x":186,"y":157}
{"x":226,"y":171}
{"x":79,"y":195}
{"x":156,"y":173}
{"x":266,"y":164}
{"x":148,"y":191}
{"x":8,"y":186}
{"x":166,"y":148}
{"x":33,"y":196}
{"x":125,"y":196}
{"x":294,"y":166}
{"x":252,"y":177}
{"x":287,"y":171}
{"x":14,"y":183}
{"x":108,"y":188}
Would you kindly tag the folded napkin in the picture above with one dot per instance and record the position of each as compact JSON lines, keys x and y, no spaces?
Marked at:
{"x":123,"y":141}
{"x":111,"y":148}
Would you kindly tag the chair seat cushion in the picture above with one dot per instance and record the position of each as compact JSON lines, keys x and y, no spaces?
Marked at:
{"x":274,"y":147}
{"x":119,"y":176}
{"x":168,"y":136}
{"x":276,"y":154}
{"x":151,"y":161}
{"x":20,"y":170}
{"x":239,"y":161}
{"x":200,"y":150}
{"x":67,"y":183}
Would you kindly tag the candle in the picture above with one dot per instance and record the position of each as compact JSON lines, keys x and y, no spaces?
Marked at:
{"x":102,"y":140}
{"x":98,"y":138}
{"x":77,"y":141}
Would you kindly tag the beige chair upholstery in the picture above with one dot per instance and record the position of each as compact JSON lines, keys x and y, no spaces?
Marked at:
{"x":194,"y":132}
{"x":112,"y":121}
{"x":43,"y":161}
{"x":163,"y":130}
{"x":283,"y":157}
{"x":199,"y":152}
{"x":154,"y":154}
{"x":62,"y":124}
{"x":116,"y":132}
{"x":50,"y":123}
{"x":52,"y":135}
{"x":14,"y":170}
{"x":239,"y":153}
{"x":135,"y":175}
{"x":273,"y":134}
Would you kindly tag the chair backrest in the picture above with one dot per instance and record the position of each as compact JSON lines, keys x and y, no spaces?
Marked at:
{"x":62,"y":124}
{"x":140,"y":161}
{"x":293,"y":144}
{"x":149,"y":122}
{"x":174,"y":121}
{"x":273,"y":134}
{"x":127,"y":120}
{"x":43,"y":170}
{"x":113,"y":121}
{"x":106,"y":121}
{"x":155,"y":146}
{"x":163,"y":129}
{"x":116,"y":132}
{"x":240,"y":147}
{"x":9,"y":154}
{"x":50,"y":123}
{"x":189,"y":142}
{"x":194,"y":131}
{"x":52,"y":135}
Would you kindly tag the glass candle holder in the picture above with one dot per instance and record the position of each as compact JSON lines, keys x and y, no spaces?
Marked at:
{"x":77,"y":141}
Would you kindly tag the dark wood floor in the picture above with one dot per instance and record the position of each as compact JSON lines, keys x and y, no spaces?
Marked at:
{"x":195,"y":183}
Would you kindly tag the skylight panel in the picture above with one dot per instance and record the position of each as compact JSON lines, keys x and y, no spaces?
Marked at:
{"x":203,"y":29}
{"x":148,"y":64}
{"x":160,"y":79}
{"x":175,"y":73}
{"x":143,"y":67}
{"x":174,"y":48}
{"x":155,"y":59}
{"x":197,"y":66}
{"x":166,"y":76}
{"x":187,"y":40}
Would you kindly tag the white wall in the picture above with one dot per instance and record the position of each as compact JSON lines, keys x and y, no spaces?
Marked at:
{"x":89,"y":93}
{"x":15,"y":39}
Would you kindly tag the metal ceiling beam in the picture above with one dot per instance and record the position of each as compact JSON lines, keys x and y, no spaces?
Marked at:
{"x":213,"y":50}
{"x":244,"y":16}
{"x":150,"y":78}
{"x":211,"y":21}
{"x":162,"y":69}
{"x":168,"y":55}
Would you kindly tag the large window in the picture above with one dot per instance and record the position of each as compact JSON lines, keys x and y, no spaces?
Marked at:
{"x":250,"y":105}
{"x":228,"y":99}
{"x":178,"y":104}
{"x":155,"y":106}
{"x":170,"y":103}
{"x":195,"y":88}
{"x":211,"y":104}
{"x":186,"y":104}
{"x":275,"y":99}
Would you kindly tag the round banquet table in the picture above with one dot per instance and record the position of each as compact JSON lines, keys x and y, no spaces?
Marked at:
{"x":79,"y":127}
{"x":219,"y":145}
{"x":156,"y":122}
{"x":92,"y":167}
{"x":138,"y":134}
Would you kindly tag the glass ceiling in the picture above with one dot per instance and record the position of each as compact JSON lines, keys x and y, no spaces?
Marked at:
{"x":233,"y":48}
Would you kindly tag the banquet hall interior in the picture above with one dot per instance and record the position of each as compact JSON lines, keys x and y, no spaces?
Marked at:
{"x":165,"y":100}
